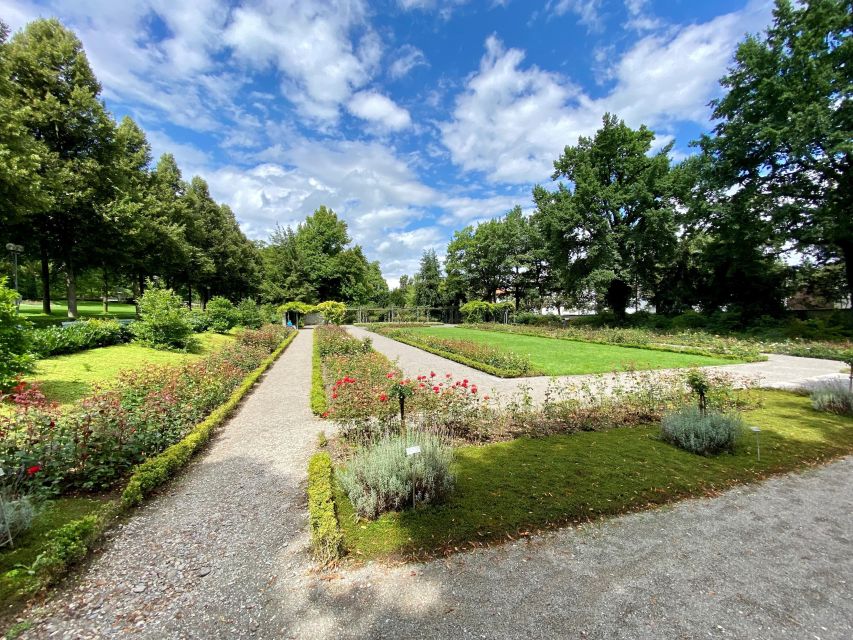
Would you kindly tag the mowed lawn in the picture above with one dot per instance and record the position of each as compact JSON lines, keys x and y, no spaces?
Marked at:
{"x":511,"y":489}
{"x":59,"y":312}
{"x":557,"y":357}
{"x":67,"y":378}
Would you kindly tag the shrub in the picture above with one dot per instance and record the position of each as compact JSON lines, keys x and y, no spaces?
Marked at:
{"x":164,"y":320}
{"x":249,"y":314}
{"x":705,"y":433}
{"x":221,"y":313}
{"x":88,"y":334}
{"x":332,"y":312}
{"x":326,"y":537}
{"x":476,"y":311}
{"x":199,"y":321}
{"x":833,"y":396}
{"x":383,"y":478}
{"x":19,"y":513}
{"x":14,"y":339}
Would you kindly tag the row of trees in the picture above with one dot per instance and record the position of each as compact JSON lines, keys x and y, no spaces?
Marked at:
{"x":80,"y":192}
{"x":627,"y":226}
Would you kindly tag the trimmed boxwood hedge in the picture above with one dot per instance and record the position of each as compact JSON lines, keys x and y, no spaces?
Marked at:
{"x":326,"y":536}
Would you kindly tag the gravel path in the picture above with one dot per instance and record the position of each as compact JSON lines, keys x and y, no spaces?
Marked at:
{"x":782,"y":372}
{"x":223,"y":554}
{"x":203,"y":559}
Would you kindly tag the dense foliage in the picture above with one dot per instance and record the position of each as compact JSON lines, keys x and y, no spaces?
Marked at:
{"x":88,"y":334}
{"x":164,"y":322}
{"x":14,"y":339}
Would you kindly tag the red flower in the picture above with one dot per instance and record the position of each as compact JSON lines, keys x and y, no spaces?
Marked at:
{"x":383,"y":397}
{"x":325,"y":414}
{"x":432,"y":374}
{"x":389,"y":375}
{"x":436,"y":389}
{"x":485,"y":397}
{"x":33,"y":469}
{"x":474,"y":389}
{"x":334,"y":395}
{"x":446,"y":375}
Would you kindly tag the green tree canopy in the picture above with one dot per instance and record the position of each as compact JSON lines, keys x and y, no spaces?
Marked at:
{"x":784,"y":142}
{"x":611,"y":228}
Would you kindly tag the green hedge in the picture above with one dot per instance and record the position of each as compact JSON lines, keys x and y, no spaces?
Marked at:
{"x":72,"y":542}
{"x":495,"y":371}
{"x":326,"y":536}
{"x":319,"y":402}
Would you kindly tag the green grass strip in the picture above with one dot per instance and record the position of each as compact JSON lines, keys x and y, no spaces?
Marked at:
{"x":510,"y":489}
{"x":326,"y":536}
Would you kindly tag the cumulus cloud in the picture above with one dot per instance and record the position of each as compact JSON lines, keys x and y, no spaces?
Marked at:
{"x":375,"y":107}
{"x":511,"y":122}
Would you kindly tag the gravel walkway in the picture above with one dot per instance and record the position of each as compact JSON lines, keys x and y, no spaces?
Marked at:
{"x":223,"y":554}
{"x":781,"y":372}
{"x":203,"y":559}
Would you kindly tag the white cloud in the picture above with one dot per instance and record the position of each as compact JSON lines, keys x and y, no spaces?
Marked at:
{"x":587,"y":11}
{"x":639,"y":17}
{"x":375,"y":107}
{"x":311,"y":45}
{"x":512,"y":122}
{"x":408,"y":57}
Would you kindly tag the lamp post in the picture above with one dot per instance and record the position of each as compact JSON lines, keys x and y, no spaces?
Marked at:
{"x":757,"y":431}
{"x":15,"y":250}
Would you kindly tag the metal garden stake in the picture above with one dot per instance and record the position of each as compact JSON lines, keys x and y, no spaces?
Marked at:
{"x":757,"y":431}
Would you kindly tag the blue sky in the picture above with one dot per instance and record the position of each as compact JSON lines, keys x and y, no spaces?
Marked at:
{"x":410,"y":118}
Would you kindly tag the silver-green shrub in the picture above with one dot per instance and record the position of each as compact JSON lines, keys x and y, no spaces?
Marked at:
{"x":380,"y":478}
{"x":833,"y":396}
{"x":705,"y":433}
{"x":19,"y":514}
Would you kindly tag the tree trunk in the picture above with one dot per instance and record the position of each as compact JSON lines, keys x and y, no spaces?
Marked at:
{"x":141,"y":283}
{"x":106,"y":292}
{"x":71,"y":283}
{"x":190,"y":293}
{"x":618,"y":296}
{"x":45,"y":277}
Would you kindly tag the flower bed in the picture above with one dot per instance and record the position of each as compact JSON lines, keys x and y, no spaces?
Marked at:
{"x":499,"y":362}
{"x":96,"y":441}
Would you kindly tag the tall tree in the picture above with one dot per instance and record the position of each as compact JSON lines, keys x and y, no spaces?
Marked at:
{"x":611,"y":229}
{"x":784,"y":142}
{"x":52,"y":78}
{"x":428,"y":281}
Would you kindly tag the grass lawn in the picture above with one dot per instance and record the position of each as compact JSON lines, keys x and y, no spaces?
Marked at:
{"x":59,"y":312}
{"x":67,"y":378}
{"x":556,"y":357}
{"x":53,"y":514}
{"x":511,"y":488}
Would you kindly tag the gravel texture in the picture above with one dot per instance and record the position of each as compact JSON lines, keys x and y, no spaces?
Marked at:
{"x":224,"y":554}
{"x":781,"y":372}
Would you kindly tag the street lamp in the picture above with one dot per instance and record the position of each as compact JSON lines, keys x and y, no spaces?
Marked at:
{"x":15,"y":250}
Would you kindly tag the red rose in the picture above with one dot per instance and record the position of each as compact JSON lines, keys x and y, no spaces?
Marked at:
{"x":432,"y":374}
{"x":33,"y":469}
{"x":383,"y":397}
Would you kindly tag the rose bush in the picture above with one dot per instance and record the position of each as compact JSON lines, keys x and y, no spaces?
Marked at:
{"x":99,"y":439}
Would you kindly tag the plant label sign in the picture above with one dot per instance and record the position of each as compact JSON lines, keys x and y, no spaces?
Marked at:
{"x":410,"y":451}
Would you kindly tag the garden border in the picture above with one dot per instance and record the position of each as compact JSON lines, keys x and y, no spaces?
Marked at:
{"x":486,"y":368}
{"x":72,"y":542}
{"x":326,"y":534}
{"x":693,"y":351}
{"x":319,"y":401}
